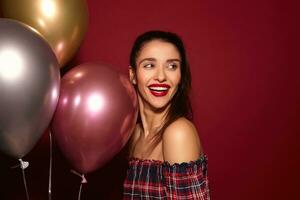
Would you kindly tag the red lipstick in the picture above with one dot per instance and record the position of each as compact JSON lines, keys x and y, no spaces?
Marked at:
{"x":159,"y":90}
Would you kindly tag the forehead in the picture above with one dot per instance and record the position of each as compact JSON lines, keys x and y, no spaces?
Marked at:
{"x":159,"y":49}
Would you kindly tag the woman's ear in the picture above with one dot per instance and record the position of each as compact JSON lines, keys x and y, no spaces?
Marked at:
{"x":132,"y":75}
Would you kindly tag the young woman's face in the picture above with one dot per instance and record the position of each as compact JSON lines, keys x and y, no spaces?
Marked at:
{"x":158,"y":73}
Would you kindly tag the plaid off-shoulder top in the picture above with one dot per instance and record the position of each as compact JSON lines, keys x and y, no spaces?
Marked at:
{"x":151,"y":179}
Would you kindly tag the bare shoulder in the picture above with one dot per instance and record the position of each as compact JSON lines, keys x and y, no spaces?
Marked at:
{"x":181,"y":142}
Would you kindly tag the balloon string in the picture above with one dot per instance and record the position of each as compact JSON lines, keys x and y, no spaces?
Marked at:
{"x":79,"y":193}
{"x":50,"y":166}
{"x":24,"y":165}
{"x":83,"y":180}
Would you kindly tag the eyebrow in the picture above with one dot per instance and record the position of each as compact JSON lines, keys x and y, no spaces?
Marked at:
{"x":174,"y":60}
{"x":153,"y":59}
{"x":146,"y":59}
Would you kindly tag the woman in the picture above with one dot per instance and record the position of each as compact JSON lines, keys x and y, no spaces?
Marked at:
{"x":167,"y":160}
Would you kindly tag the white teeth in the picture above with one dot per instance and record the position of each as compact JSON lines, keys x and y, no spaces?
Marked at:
{"x":158,"y":88}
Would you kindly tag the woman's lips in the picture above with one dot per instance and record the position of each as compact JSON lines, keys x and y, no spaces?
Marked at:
{"x":159,"y":94}
{"x":159,"y":90}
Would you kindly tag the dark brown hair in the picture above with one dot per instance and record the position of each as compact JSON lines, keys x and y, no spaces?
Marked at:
{"x":180,"y":105}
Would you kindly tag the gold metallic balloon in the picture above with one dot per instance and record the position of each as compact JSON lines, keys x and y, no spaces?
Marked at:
{"x":62,"y":23}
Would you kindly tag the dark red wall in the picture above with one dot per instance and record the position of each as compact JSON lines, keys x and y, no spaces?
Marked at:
{"x":246,"y":96}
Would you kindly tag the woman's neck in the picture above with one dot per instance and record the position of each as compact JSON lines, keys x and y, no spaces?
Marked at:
{"x":151,"y":118}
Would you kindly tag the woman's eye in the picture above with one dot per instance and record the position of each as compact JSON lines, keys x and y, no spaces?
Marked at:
{"x":172,"y":66}
{"x":148,"y":65}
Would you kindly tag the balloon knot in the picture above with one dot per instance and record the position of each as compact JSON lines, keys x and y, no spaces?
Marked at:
{"x":23,"y":164}
{"x":83,"y":179}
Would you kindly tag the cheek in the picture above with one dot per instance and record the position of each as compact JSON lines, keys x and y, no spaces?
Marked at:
{"x":176,"y":78}
{"x":142,"y":81}
{"x":143,"y":78}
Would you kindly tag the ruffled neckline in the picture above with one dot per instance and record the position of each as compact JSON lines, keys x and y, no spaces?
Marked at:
{"x":139,"y":161}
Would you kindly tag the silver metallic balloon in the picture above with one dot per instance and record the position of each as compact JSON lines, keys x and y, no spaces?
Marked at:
{"x":29,"y":87}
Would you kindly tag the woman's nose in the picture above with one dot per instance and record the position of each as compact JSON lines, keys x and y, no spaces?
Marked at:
{"x":160,"y":75}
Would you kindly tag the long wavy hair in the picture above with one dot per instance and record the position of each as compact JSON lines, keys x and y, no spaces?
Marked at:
{"x":180,"y":105}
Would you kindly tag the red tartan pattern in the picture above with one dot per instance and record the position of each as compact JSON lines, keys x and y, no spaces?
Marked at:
{"x":151,"y":179}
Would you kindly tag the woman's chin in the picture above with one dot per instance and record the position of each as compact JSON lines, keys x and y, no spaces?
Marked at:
{"x":159,"y":107}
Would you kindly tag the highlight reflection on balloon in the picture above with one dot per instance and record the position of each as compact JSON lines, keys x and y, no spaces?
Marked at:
{"x":62,"y":23}
{"x":11,"y":64}
{"x":29,"y":87}
{"x":95,"y":115}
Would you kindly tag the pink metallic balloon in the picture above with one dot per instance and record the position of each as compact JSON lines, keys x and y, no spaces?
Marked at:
{"x":95,"y":116}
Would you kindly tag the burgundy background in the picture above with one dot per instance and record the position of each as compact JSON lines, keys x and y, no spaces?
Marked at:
{"x":245,"y":66}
